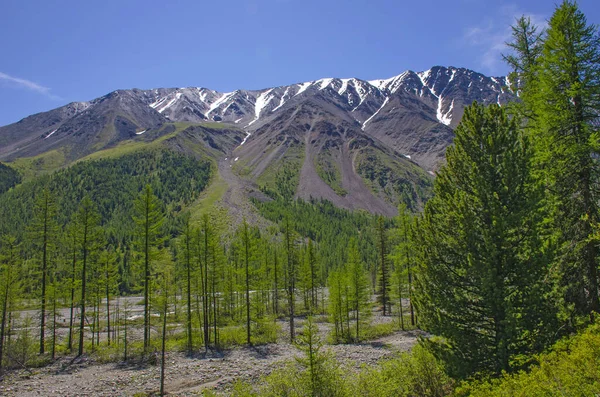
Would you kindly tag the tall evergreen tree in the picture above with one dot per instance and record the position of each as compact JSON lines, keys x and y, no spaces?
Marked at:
{"x":291,"y":274}
{"x":149,"y":219}
{"x":405,"y":261}
{"x":8,"y":287}
{"x":566,"y":101}
{"x":88,"y":220}
{"x":247,"y":246}
{"x":44,"y":230}
{"x":384,"y":277}
{"x":186,"y":247}
{"x":482,"y":278}
{"x":360,"y":289}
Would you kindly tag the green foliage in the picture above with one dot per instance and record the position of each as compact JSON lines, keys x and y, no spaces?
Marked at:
{"x":113,"y":184}
{"x":329,"y":172}
{"x":567,"y":104}
{"x":331,"y":227}
{"x":402,"y":181}
{"x":570,"y":368}
{"x":559,"y":74}
{"x":8,"y":178}
{"x":417,"y":373}
{"x":482,"y":282}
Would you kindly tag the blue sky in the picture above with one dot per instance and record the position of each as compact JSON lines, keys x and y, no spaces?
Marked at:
{"x":56,"y":52}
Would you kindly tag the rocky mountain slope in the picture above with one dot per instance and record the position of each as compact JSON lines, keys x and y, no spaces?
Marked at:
{"x":361,"y":144}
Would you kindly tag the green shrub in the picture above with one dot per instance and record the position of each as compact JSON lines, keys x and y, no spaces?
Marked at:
{"x":415,"y":373}
{"x":571,"y":368}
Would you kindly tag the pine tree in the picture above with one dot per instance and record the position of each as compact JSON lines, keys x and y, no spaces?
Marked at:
{"x":482,"y":278}
{"x":149,"y":219}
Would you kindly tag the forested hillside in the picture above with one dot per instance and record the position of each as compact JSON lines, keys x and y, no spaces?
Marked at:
{"x":115,"y":259}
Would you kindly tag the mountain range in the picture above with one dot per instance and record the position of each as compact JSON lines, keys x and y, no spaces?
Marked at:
{"x":360,"y":144}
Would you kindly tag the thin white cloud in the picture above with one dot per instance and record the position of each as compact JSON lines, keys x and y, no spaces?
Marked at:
{"x":490,"y":37}
{"x":30,"y":85}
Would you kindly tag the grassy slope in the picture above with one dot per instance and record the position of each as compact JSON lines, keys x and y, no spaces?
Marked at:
{"x":30,"y":167}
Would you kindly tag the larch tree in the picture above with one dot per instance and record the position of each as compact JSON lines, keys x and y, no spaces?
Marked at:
{"x":8,"y":286}
{"x":149,"y":219}
{"x":291,"y":274}
{"x":566,"y":101}
{"x":384,"y":277}
{"x":109,"y":276}
{"x":360,"y":288}
{"x":74,"y":248}
{"x":247,"y":247}
{"x":405,"y":260}
{"x":186,"y":245}
{"x":482,"y":282}
{"x":88,"y":235}
{"x":44,"y":230}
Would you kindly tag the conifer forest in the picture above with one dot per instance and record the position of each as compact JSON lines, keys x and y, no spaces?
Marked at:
{"x":494,"y":280}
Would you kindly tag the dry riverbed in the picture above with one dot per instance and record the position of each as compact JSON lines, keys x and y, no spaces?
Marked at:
{"x":185,"y":376}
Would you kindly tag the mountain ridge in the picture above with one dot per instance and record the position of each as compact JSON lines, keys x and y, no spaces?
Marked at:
{"x":361,"y":144}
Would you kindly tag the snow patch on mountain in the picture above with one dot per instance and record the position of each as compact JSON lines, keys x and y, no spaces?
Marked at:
{"x":262,"y":101}
{"x":223,"y":99}
{"x":375,"y":114}
{"x":324,"y":83}
{"x":444,"y":118}
{"x":157,"y":103}
{"x":283,"y":99}
{"x":361,"y":91}
{"x":344,"y":86}
{"x":303,"y":87}
{"x":171,"y":102}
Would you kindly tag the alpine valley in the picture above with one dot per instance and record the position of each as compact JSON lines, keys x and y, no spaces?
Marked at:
{"x":360,"y":144}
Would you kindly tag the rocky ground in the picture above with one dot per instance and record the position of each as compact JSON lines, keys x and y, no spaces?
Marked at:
{"x":186,"y":376}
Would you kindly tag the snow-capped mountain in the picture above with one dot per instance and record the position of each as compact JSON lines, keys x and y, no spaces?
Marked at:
{"x":361,"y":144}
{"x":438,"y":87}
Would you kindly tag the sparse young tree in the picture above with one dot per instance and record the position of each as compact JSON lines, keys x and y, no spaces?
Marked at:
{"x":186,"y":243}
{"x":44,"y":230}
{"x":384,"y":278}
{"x":360,"y":288}
{"x":8,"y":287}
{"x":149,"y":220}
{"x":108,"y":263}
{"x":291,"y":274}
{"x":88,"y":235}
